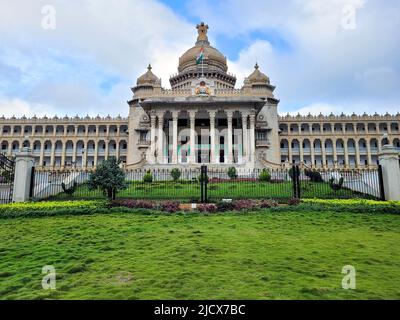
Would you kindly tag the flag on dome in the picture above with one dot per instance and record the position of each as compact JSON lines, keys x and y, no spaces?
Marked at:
{"x":201,"y":56}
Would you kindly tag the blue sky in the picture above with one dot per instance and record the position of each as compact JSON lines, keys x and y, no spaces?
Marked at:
{"x":322,"y":55}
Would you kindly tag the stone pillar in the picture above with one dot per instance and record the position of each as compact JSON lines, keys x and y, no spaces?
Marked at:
{"x":212,"y":136}
{"x":346,"y":154}
{"x":252,"y":138}
{"x":175,"y":137}
{"x":192,"y":156}
{"x":107,"y":142}
{"x":290,"y":156}
{"x":24,"y":162}
{"x":312,"y":153}
{"x":153,"y":119}
{"x":323,"y":151}
{"x":245,"y":138}
{"x":357,"y":154}
{"x":160,"y":148}
{"x":389,"y":160}
{"x":301,"y":151}
{"x":335,"y":158}
{"x":63,"y":154}
{"x":369,"y":155}
{"x":230,"y":133}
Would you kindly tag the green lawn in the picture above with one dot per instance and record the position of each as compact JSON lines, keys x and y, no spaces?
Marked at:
{"x":216,"y":191}
{"x":232,"y":256}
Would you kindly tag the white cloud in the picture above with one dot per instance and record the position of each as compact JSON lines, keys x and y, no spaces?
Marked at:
{"x":18,"y":108}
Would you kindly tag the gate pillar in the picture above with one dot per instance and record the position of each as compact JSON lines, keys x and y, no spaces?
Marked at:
{"x":389,"y":160}
{"x":24,"y":162}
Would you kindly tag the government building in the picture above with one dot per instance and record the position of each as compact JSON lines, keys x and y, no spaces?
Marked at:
{"x":203,"y":119}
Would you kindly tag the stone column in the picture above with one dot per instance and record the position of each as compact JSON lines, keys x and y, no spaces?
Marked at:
{"x":346,"y":153}
{"x":335,"y":158}
{"x":389,"y":160}
{"x":53,"y":151}
{"x":74,"y":153}
{"x":245,"y":138}
{"x":323,"y":150}
{"x":252,"y":154}
{"x":290,"y":156}
{"x":312,"y":153}
{"x":230,"y":133}
{"x":63,"y":154}
{"x":24,"y":162}
{"x":301,"y":151}
{"x":175,"y":115}
{"x":96,"y":152}
{"x":160,"y":138}
{"x":212,"y":136}
{"x":357,"y":154}
{"x":192,"y":156}
{"x":153,"y":119}
{"x":41,"y":158}
{"x":107,"y":142}
{"x":369,"y":156}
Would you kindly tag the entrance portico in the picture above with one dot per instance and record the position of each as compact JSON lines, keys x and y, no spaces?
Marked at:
{"x":196,"y":136}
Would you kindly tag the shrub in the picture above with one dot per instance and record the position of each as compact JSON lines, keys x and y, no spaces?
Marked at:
{"x":314,"y":176}
{"x":175,"y":174}
{"x":108,"y":177}
{"x":294,"y":201}
{"x":232,"y":173}
{"x":71,"y":190}
{"x":134,"y":204}
{"x":148,"y":177}
{"x":264,"y":176}
{"x":240,"y":205}
{"x":224,"y":206}
{"x":267,"y":203}
{"x":170,"y":206}
{"x":208,"y":207}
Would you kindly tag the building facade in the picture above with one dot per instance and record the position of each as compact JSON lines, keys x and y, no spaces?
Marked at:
{"x":203,"y":119}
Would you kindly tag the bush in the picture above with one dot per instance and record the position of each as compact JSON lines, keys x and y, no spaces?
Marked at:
{"x":148,"y":177}
{"x":224,"y":206}
{"x":50,"y":208}
{"x":336,"y":186}
{"x":264,"y":176}
{"x":209,"y":207}
{"x":266,"y":203}
{"x":175,"y":174}
{"x":240,"y":205}
{"x":134,"y":204}
{"x":232,"y":173}
{"x":170,"y":206}
{"x":294,"y":202}
{"x":314,"y":176}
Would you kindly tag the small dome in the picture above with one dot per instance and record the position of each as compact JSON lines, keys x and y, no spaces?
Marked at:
{"x":149,"y":78}
{"x":257,"y":77}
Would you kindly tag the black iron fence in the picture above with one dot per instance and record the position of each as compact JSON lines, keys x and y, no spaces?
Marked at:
{"x":205,"y":184}
{"x":7,"y":168}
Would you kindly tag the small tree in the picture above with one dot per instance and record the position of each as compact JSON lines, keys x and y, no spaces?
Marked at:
{"x":108,"y":177}
{"x":232,"y":173}
{"x":264,"y":176}
{"x":175,"y":174}
{"x":148,"y":177}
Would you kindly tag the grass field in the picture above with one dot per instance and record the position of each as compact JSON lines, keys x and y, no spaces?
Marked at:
{"x":260,"y":255}
{"x":233,"y":190}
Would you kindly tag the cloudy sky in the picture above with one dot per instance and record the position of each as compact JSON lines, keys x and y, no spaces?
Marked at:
{"x":323,"y":55}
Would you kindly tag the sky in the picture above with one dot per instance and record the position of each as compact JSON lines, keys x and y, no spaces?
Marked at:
{"x":62,"y":57}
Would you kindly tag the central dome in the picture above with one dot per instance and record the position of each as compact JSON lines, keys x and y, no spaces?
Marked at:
{"x":213,"y":58}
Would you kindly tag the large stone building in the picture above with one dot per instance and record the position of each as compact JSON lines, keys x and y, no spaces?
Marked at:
{"x":203,"y":119}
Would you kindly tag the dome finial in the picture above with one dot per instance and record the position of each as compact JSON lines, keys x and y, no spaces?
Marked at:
{"x":149,"y":67}
{"x":256,"y":66}
{"x":202,"y":29}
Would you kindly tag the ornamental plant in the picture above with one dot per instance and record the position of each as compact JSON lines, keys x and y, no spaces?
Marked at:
{"x":264,"y":176}
{"x":148,"y":177}
{"x":232,"y":173}
{"x":175,"y":174}
{"x":108,"y":177}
